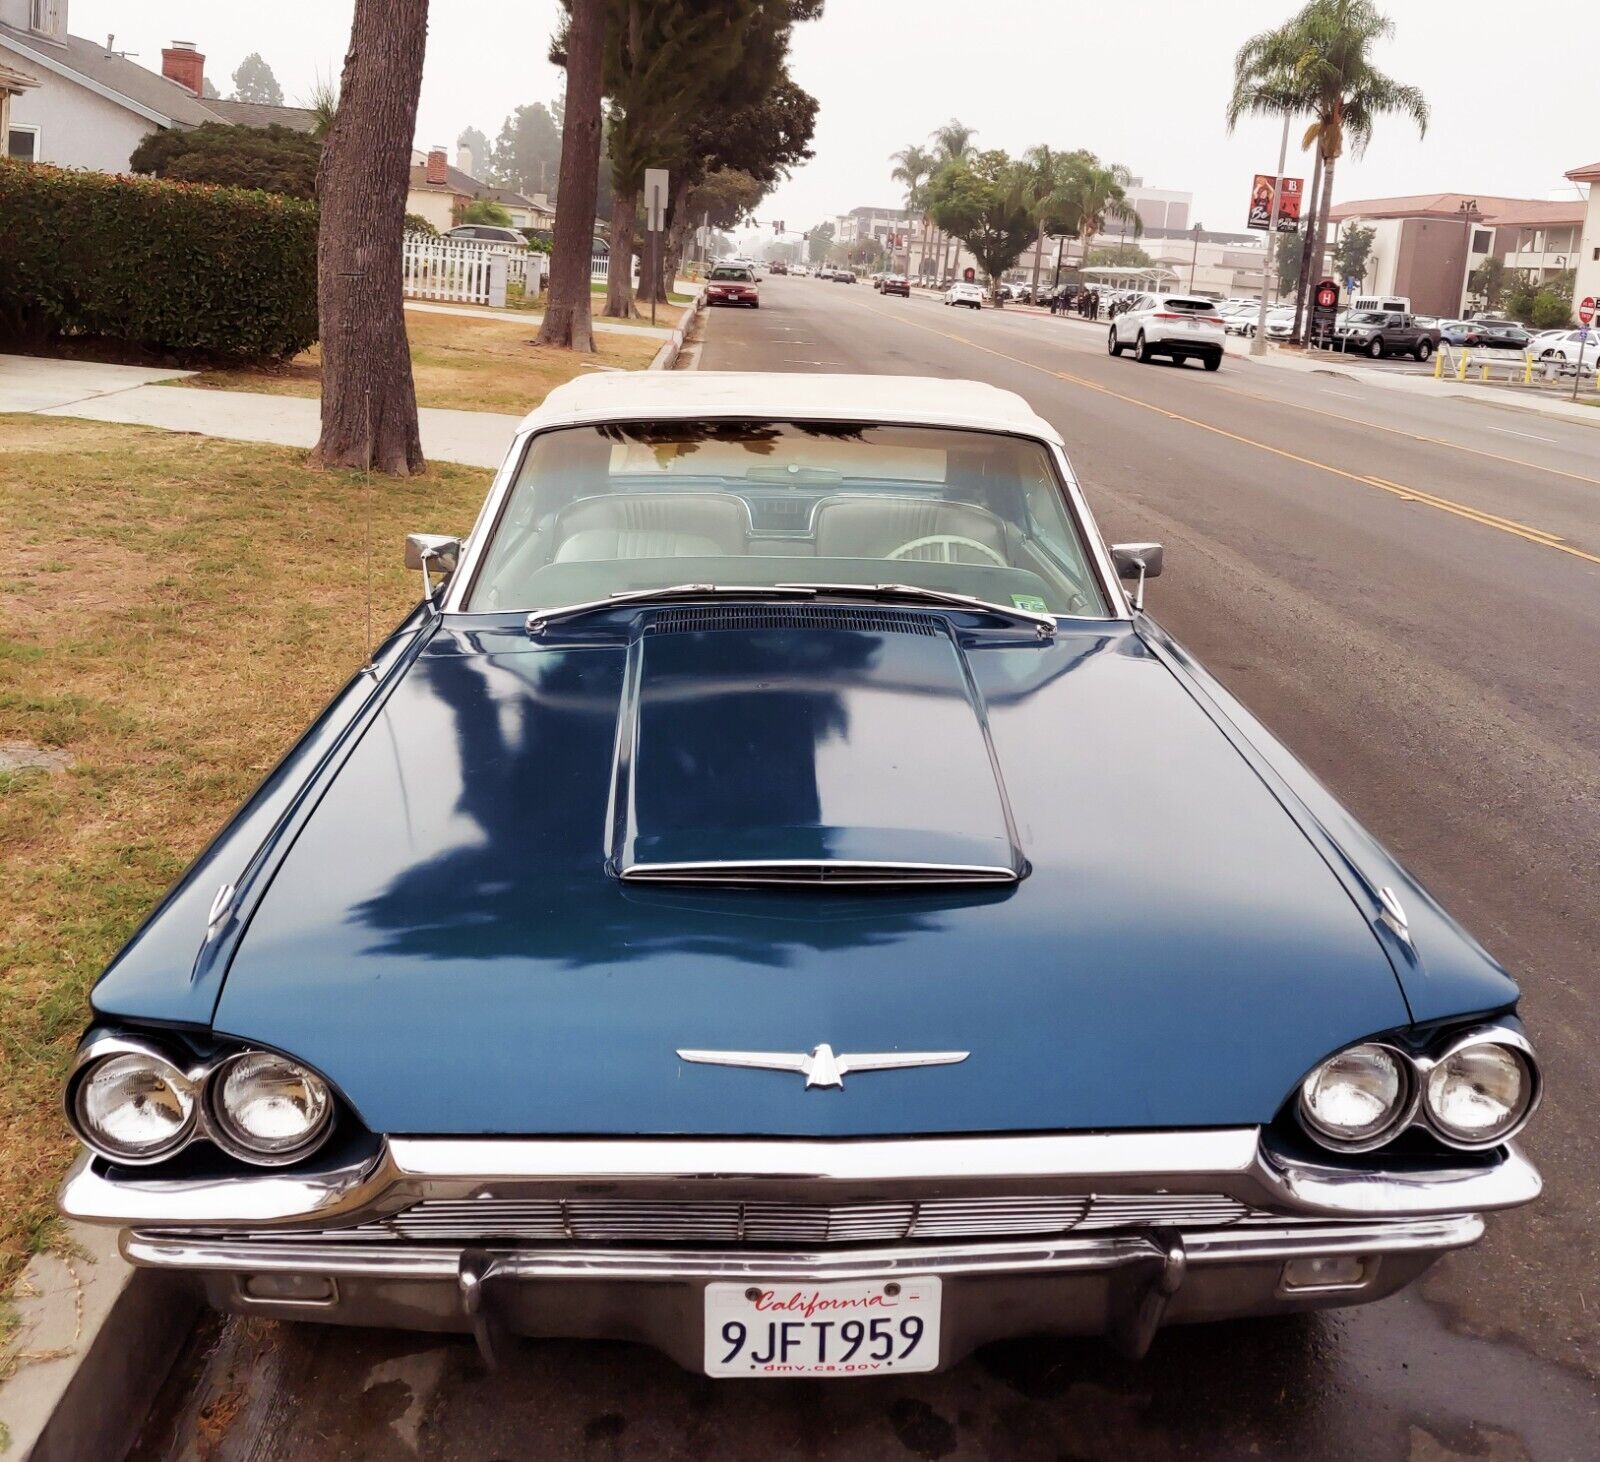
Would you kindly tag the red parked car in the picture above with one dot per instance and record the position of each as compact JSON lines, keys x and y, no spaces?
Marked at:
{"x":896,"y":284}
{"x":732,"y":284}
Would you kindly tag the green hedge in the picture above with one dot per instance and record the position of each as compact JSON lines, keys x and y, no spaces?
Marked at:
{"x":172,"y":267}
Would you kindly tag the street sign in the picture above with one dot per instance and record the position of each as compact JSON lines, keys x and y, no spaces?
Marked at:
{"x":1586,"y":309}
{"x":1324,"y":310}
{"x":655,"y":199}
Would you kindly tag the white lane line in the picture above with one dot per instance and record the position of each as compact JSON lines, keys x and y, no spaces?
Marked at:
{"x":1506,"y":431}
{"x":1345,"y":395}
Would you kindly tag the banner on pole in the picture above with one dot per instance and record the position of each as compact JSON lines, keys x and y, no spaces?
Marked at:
{"x":1261,"y":192}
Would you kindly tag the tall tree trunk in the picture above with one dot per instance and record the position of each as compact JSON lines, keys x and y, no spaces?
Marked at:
{"x":1301,"y":313}
{"x":1318,"y":241}
{"x":922,"y":249}
{"x":619,"y":274}
{"x":369,"y":403}
{"x":1038,"y":258}
{"x":567,"y":312}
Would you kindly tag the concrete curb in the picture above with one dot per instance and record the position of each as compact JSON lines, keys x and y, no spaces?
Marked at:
{"x":95,"y":1341}
{"x":667,"y":356}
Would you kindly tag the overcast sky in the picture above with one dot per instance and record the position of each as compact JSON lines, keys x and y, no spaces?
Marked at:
{"x":1141,"y":82}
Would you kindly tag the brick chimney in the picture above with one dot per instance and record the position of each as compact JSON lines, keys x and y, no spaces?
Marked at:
{"x":180,"y":62}
{"x":438,"y":169}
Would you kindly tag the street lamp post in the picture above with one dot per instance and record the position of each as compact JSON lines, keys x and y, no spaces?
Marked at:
{"x":1258,"y":341}
{"x":1194,"y":258}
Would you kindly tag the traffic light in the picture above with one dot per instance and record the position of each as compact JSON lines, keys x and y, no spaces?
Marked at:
{"x":777,"y":226}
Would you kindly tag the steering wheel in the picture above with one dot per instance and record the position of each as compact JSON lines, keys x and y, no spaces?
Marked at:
{"x":945,"y":542}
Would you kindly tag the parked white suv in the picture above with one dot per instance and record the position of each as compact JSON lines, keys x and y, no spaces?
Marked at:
{"x":1178,"y":326}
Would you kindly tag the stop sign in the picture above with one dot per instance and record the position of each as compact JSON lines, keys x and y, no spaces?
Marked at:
{"x":1586,"y":309}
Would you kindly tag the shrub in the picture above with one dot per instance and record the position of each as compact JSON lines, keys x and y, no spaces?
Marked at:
{"x":1550,"y":311}
{"x":276,"y":159}
{"x":172,"y":267}
{"x":417,"y":224}
{"x":483,"y":210}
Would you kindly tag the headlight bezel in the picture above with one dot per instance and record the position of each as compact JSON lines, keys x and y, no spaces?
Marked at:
{"x":202,"y":1077}
{"x":1414,"y":1113}
{"x":113,"y":1049}
{"x":224,"y":1126}
{"x":1399,"y":1119}
{"x":1507,"y":1039}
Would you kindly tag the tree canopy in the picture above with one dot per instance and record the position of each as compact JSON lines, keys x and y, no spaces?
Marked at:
{"x":275,"y":159}
{"x":253,"y":81}
{"x":984,"y":203}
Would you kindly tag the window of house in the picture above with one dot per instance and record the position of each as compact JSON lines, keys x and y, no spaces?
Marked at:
{"x":45,"y":17}
{"x":23,"y":142}
{"x":1482,"y":238}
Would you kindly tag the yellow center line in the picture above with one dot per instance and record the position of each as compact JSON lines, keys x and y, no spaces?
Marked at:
{"x":1410,"y":494}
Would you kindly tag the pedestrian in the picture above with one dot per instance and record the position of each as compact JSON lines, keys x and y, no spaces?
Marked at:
{"x":1094,"y":304}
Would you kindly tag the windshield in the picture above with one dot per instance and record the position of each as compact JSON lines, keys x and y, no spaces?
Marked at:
{"x":1366,"y":317}
{"x":730,"y":271}
{"x":602,"y":510}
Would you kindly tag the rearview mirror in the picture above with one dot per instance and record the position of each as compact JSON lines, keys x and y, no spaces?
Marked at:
{"x":1139,"y":561}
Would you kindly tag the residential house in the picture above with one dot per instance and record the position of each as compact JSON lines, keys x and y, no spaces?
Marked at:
{"x":439,"y":192}
{"x":94,"y":104}
{"x":1426,"y":246}
{"x":12,"y":83}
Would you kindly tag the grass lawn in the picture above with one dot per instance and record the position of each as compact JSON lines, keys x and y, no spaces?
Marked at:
{"x":173,"y":612}
{"x":470,"y":364}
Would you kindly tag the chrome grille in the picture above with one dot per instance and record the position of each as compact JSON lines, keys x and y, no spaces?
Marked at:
{"x":624,"y":1220}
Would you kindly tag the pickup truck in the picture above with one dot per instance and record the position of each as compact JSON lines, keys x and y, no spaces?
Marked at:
{"x":1385,"y":332}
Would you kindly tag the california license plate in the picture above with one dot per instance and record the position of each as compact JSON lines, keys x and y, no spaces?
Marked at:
{"x":868,"y":1328}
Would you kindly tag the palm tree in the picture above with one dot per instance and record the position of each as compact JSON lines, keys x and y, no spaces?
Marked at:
{"x":912,"y":166}
{"x":952,"y":143}
{"x":1052,"y":197}
{"x":1320,"y":61}
{"x":1102,"y":194}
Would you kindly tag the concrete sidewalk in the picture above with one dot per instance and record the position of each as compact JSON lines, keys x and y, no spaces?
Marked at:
{"x":600,"y":325}
{"x":125,"y":394}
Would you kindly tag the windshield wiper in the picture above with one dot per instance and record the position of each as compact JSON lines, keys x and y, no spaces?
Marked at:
{"x":540,"y":619}
{"x":1045,"y":624}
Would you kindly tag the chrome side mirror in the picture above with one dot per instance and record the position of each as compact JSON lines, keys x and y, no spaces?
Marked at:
{"x":432,"y":553}
{"x":1139,"y":561}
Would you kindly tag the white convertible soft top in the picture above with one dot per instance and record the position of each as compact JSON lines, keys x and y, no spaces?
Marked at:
{"x":782,"y":396}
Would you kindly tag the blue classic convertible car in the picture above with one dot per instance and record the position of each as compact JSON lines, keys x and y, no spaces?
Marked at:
{"x":779,"y":898}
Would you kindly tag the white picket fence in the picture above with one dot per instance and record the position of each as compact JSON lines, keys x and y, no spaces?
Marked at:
{"x":468,"y":271}
{"x":600,"y":268}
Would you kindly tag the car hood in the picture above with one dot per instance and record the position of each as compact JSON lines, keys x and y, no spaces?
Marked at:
{"x":448,"y":939}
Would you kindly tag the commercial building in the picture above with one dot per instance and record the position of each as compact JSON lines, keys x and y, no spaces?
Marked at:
{"x":1426,"y":246}
{"x":1588,"y":282}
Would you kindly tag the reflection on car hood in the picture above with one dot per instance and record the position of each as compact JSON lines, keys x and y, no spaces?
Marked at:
{"x":446,"y":941}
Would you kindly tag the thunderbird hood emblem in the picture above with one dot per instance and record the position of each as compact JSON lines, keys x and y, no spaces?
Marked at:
{"x":821,"y":1067}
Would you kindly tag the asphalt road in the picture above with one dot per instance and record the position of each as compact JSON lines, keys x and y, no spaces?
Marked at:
{"x":1408,"y":591}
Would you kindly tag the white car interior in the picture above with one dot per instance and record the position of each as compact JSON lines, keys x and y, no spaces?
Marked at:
{"x":601,"y":510}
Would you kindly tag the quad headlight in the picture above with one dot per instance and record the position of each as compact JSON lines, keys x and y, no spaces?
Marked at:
{"x":132,"y":1105}
{"x":1479,"y":1094}
{"x":1356,"y":1099}
{"x":1476,"y":1092}
{"x":267,"y":1108}
{"x":135,"y":1107}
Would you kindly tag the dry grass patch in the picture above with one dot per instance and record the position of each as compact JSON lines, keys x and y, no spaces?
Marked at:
{"x":467,"y":363}
{"x":173,"y":612}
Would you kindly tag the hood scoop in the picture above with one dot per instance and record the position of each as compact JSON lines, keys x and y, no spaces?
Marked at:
{"x":806,"y":745}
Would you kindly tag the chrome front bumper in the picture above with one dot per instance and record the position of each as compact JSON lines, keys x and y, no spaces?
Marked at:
{"x":281,"y":1245}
